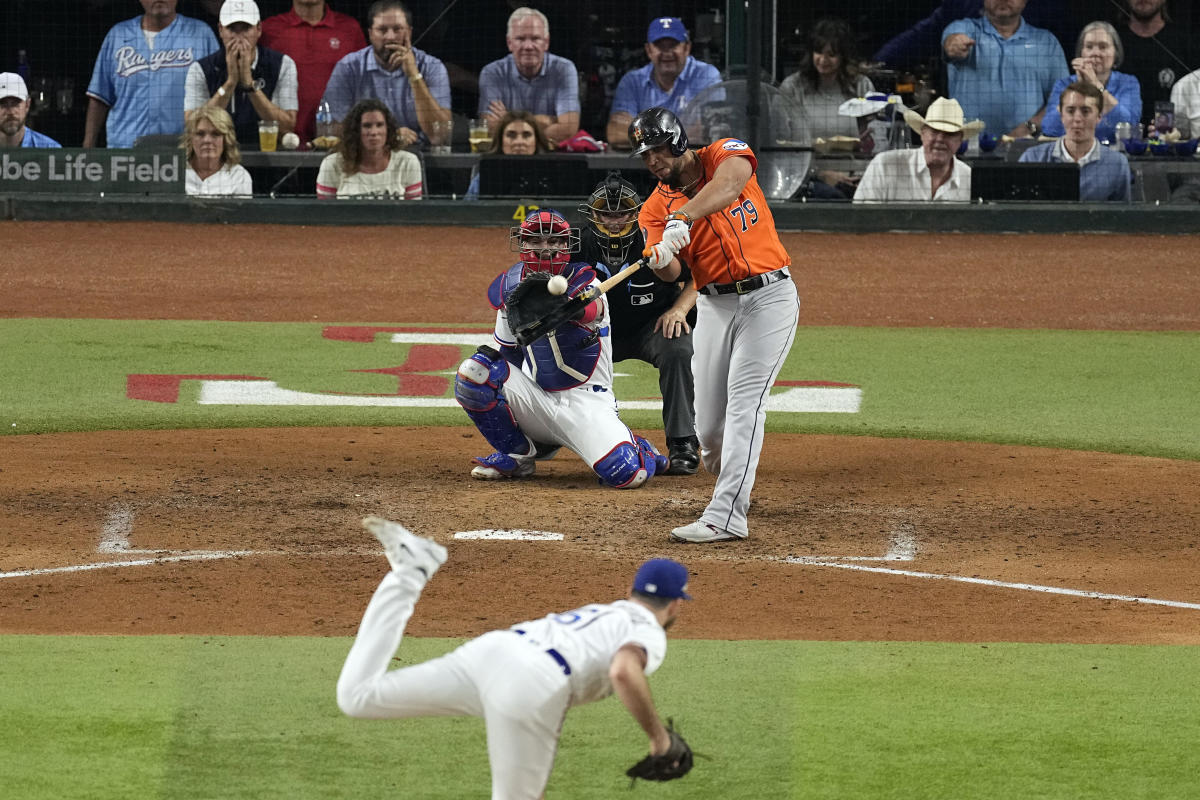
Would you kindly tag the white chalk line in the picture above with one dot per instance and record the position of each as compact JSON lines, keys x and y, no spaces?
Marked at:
{"x":118,"y":525}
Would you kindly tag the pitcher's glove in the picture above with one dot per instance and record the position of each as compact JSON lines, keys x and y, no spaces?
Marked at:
{"x":533,"y":312}
{"x":675,"y":763}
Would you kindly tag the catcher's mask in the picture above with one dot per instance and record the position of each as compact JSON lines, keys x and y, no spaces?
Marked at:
{"x":545,"y":241}
{"x":612,"y":209}
{"x":655,"y":127}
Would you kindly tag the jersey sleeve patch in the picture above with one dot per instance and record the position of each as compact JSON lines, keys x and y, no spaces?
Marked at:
{"x":735,"y":144}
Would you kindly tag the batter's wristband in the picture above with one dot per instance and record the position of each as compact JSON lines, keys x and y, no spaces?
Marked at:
{"x":681,"y":215}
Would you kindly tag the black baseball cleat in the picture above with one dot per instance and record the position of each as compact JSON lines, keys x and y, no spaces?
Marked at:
{"x":684,"y":455}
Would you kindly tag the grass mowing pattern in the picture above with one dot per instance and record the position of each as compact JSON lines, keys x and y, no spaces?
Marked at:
{"x":247,"y":717}
{"x":1123,"y":392}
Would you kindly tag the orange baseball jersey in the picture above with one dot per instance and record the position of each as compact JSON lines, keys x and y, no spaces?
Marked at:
{"x":728,"y":245}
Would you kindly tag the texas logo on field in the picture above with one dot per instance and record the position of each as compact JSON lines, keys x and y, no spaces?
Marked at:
{"x":426,"y":379}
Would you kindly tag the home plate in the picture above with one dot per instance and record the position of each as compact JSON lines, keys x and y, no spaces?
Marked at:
{"x":527,"y":536}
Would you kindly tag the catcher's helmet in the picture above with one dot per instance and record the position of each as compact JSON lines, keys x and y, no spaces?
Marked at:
{"x":657,"y":126}
{"x":619,"y":203}
{"x":545,"y":241}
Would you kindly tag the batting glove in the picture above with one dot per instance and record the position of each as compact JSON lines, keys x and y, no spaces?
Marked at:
{"x":658,"y":256}
{"x":677,"y":234}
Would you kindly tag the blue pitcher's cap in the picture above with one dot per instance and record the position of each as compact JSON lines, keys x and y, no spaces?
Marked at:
{"x":667,"y":28}
{"x":662,"y":577}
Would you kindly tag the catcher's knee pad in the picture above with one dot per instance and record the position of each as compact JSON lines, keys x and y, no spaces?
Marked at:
{"x":628,"y":465}
{"x":477,"y":388}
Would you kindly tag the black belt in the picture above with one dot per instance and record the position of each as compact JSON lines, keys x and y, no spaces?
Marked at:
{"x":746,"y":284}
{"x":550,"y":651}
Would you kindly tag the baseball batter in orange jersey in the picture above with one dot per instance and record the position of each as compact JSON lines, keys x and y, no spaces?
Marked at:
{"x":708,"y":210}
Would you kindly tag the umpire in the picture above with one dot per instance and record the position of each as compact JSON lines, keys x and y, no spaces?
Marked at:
{"x":651,"y":319}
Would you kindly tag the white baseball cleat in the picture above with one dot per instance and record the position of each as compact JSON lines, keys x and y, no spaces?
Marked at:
{"x":498,"y":466}
{"x":701,"y":532}
{"x":404,"y":548}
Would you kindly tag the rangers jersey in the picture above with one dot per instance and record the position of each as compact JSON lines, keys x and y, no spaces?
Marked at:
{"x":588,"y":638}
{"x":143,"y":85}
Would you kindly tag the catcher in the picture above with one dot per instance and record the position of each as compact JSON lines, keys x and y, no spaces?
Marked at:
{"x":550,"y":381}
{"x":522,"y":680}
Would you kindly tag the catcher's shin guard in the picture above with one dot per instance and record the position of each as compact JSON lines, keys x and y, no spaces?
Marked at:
{"x":628,"y":466}
{"x":478,"y":389}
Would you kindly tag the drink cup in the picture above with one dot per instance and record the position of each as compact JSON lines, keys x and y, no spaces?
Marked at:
{"x":440,"y":136}
{"x":478,"y":136}
{"x":268,"y":136}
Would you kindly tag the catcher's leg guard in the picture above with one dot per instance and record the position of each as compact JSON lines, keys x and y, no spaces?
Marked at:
{"x":628,"y":466}
{"x":478,"y":388}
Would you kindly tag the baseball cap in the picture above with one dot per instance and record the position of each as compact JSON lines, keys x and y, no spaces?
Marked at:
{"x":667,"y":28}
{"x":239,"y":11}
{"x":662,"y":577}
{"x":13,"y":85}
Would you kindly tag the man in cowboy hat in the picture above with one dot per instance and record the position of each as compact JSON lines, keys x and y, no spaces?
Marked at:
{"x":931,"y":173}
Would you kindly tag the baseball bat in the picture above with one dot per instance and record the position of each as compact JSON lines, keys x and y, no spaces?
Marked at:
{"x":536,"y":330}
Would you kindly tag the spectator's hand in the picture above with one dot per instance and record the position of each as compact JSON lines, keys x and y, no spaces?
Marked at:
{"x":407,"y":136}
{"x":233,"y":60}
{"x":247,"y":59}
{"x":835,"y":178}
{"x":1085,"y":72}
{"x":672,"y":323}
{"x":495,"y":110}
{"x":401,"y":57}
{"x":958,"y":46}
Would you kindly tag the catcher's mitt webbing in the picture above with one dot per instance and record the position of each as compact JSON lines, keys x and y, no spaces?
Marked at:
{"x":675,"y":763}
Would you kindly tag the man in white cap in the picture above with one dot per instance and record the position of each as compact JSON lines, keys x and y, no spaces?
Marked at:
{"x":251,"y":82}
{"x":14,"y":107}
{"x":671,"y":80}
{"x":929,"y":174}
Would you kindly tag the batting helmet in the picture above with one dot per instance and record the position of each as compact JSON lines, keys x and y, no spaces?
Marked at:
{"x":545,"y":241}
{"x":654,"y":127}
{"x":616,"y":199}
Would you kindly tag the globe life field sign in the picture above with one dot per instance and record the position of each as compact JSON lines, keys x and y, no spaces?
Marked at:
{"x":78,"y":171}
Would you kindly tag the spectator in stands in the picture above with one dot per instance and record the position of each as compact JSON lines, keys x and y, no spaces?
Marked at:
{"x":368,"y":160}
{"x":211,"y":149}
{"x":518,"y":133}
{"x":1096,"y":54}
{"x":1158,"y":51}
{"x":413,"y":84}
{"x":671,"y":79}
{"x":932,"y":173}
{"x":137,"y":85}
{"x":315,"y":37}
{"x":14,"y":108}
{"x":829,"y":75}
{"x":531,"y":79}
{"x":920,"y":44}
{"x":1001,"y":69}
{"x":248,"y":80}
{"x":1185,"y":96}
{"x":1103,"y":173}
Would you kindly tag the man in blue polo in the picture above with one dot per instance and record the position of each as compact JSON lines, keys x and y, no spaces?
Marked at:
{"x":671,"y":79}
{"x":531,"y":79}
{"x":14,"y":107}
{"x":1002,"y":69}
{"x":137,"y":85}
{"x":412,"y":83}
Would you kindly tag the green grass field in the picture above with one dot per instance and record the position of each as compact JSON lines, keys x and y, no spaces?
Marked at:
{"x":221,"y":717}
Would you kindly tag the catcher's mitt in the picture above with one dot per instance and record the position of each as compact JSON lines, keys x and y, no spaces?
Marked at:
{"x":675,"y":763}
{"x":533,"y":312}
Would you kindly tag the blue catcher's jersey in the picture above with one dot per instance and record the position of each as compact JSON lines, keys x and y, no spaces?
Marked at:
{"x":574,"y":354}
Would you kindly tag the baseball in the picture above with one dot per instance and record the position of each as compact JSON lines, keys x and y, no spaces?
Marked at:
{"x":290,"y":141}
{"x":556,"y":285}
